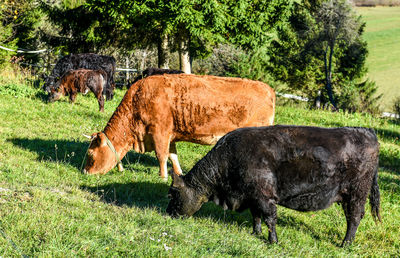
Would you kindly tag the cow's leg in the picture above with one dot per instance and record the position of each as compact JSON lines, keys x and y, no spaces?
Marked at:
{"x":72,"y":96}
{"x":268,"y":208}
{"x":173,"y":156}
{"x":161,"y":145}
{"x":100,"y":99}
{"x":353,"y":208}
{"x":256,"y":213}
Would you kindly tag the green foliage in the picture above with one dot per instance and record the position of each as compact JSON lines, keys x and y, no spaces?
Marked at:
{"x":222,"y":61}
{"x":291,"y":59}
{"x":228,"y":60}
{"x":21,"y":27}
{"x":301,"y":55}
{"x":253,"y":64}
{"x":396,"y":106}
{"x":359,"y":97}
{"x":76,"y":28}
{"x":203,"y":22}
{"x":7,"y":17}
{"x":17,"y":90}
{"x":17,"y":83}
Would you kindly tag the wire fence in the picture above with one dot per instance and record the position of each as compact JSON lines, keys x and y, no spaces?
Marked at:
{"x":123,"y":77}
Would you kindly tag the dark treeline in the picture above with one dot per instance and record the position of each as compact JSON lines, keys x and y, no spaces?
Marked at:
{"x":312,"y":48}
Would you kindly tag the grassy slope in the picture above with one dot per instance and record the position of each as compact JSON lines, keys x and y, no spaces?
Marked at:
{"x":48,"y":208}
{"x":383,"y":37}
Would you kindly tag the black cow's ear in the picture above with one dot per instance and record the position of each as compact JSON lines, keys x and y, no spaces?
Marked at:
{"x":177,"y":180}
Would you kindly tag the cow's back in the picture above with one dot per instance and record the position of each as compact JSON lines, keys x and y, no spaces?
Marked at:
{"x":204,"y":108}
{"x":86,"y":61}
{"x":306,"y":168}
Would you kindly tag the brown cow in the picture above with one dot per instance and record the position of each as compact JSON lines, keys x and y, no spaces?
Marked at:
{"x":160,"y":110}
{"x":81,"y":80}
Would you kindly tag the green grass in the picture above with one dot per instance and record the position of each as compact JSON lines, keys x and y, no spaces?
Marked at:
{"x":383,"y":36}
{"x":48,"y":208}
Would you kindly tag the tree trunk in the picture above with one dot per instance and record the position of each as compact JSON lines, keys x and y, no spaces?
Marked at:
{"x":328,"y":75}
{"x":163,"y":52}
{"x":127,"y":72}
{"x":185,"y":64}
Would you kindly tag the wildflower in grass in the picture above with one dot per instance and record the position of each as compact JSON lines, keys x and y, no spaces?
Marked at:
{"x":167,"y":248}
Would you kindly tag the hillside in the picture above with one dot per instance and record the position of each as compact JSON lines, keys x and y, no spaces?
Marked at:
{"x":48,"y":208}
{"x":383,"y":36}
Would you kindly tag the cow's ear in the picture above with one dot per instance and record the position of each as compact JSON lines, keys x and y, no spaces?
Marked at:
{"x":87,"y":136}
{"x":101,"y":139}
{"x":177,"y":180}
{"x":92,"y":137}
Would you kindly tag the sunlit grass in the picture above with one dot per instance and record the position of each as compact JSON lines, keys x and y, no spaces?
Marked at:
{"x":382,"y":34}
{"x":48,"y":208}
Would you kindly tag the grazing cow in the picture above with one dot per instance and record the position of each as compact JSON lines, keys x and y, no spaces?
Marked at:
{"x":154,"y":71}
{"x":160,"y":110}
{"x":84,"y":61}
{"x":301,"y":168}
{"x":81,"y":80}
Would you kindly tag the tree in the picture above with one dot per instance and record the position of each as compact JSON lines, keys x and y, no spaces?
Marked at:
{"x":321,"y":51}
{"x":18,"y":25}
{"x":7,"y":15}
{"x":73,"y":28}
{"x":335,"y":22}
{"x":192,"y":27}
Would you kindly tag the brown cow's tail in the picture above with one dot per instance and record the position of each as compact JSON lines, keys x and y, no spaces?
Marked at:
{"x":374,"y":198}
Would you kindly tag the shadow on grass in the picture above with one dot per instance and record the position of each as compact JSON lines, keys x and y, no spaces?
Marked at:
{"x":389,"y":184}
{"x":140,"y":194}
{"x":70,"y":151}
{"x":42,"y":96}
{"x":211,"y":210}
{"x":145,"y":159}
{"x":389,"y":135}
{"x":154,"y":195}
{"x":390,"y":163}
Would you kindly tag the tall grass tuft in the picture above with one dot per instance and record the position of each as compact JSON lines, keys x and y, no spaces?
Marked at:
{"x":17,"y":82}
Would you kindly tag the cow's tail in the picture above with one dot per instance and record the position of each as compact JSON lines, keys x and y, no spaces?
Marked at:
{"x":374,"y":198}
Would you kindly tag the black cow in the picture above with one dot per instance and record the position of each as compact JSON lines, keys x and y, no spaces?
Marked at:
{"x":87,"y":61}
{"x":153,"y":71}
{"x":301,"y":168}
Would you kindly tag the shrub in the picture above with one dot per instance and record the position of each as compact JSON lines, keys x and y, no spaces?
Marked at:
{"x":359,"y":97}
{"x":17,"y":90}
{"x":17,"y":82}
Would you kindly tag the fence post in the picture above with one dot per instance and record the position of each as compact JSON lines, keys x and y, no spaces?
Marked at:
{"x":127,"y":72}
{"x":47,"y":66}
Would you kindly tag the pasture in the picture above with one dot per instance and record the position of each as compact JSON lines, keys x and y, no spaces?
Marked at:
{"x":382,"y":34}
{"x":48,"y":208}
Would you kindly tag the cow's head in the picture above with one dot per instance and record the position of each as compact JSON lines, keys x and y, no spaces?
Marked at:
{"x":49,"y":83}
{"x":184,"y":200}
{"x":100,"y":157}
{"x":55,"y":94}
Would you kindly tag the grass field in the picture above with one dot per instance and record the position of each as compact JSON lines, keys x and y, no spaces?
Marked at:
{"x":48,"y":208}
{"x":383,"y":36}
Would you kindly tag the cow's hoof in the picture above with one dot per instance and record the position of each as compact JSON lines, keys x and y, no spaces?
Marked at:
{"x":120,"y":167}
